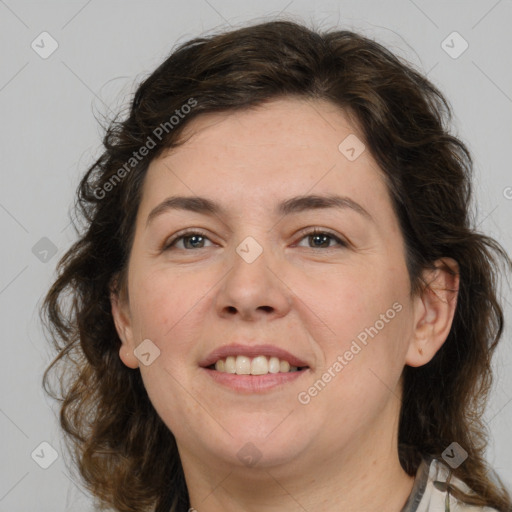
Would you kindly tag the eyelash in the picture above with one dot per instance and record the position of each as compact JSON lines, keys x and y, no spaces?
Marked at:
{"x":186,"y":234}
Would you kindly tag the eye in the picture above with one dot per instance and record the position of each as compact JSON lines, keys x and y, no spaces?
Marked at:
{"x":320,"y":238}
{"x":195,"y":240}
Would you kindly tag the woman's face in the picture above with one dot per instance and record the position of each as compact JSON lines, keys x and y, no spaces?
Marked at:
{"x":254,"y":281}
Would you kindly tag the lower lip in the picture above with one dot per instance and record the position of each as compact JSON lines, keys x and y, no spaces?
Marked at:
{"x":254,"y":383}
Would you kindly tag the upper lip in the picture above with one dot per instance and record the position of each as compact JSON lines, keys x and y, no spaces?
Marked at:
{"x":237,"y":349}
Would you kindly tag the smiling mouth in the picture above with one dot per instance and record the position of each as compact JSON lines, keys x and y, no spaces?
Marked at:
{"x":252,"y":366}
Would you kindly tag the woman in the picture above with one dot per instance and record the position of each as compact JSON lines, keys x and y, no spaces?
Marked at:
{"x":279,"y":301}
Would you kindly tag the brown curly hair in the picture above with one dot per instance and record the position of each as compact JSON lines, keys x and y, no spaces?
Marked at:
{"x":125,"y":453}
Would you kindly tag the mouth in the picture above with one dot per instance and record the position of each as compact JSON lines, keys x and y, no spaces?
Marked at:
{"x":259,"y":365}
{"x":253,"y":369}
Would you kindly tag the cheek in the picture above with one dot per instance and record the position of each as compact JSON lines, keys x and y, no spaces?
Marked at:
{"x":354,"y":299}
{"x":368,"y":313}
{"x":366,"y":363}
{"x":164,"y":311}
{"x":163,"y":301}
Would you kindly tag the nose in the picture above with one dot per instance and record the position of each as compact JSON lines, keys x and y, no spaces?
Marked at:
{"x":253,"y":290}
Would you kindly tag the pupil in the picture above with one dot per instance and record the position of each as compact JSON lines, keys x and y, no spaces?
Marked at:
{"x":323,"y":237}
{"x":194,"y":237}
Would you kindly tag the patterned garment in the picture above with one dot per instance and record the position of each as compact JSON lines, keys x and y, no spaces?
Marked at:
{"x":429,"y":493}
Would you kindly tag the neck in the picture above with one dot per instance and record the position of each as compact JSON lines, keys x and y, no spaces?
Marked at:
{"x":366,"y":477}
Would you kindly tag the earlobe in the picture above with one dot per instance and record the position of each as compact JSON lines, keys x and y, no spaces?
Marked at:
{"x":124,"y":330}
{"x":434,"y":310}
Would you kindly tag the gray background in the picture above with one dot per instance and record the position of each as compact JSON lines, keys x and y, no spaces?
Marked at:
{"x":49,"y":135}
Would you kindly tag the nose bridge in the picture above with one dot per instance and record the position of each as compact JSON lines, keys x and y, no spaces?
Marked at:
{"x":252,"y":286}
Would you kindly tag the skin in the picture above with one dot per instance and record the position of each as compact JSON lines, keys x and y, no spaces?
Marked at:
{"x":312,"y":301}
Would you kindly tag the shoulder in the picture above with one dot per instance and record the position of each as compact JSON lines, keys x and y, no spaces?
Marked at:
{"x":431,"y":491}
{"x":442,"y":475}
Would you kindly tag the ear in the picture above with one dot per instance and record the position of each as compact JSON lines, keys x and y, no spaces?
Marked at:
{"x":434,"y":309}
{"x":122,"y":319}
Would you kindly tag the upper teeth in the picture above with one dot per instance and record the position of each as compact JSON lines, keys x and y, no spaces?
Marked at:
{"x":260,"y":365}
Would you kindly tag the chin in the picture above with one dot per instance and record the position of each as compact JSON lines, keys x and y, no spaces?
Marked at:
{"x":263,"y":446}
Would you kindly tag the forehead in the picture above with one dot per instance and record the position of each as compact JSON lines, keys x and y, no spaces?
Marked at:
{"x":255,"y":157}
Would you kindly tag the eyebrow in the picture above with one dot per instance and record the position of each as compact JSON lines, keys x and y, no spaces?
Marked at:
{"x":293,"y":205}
